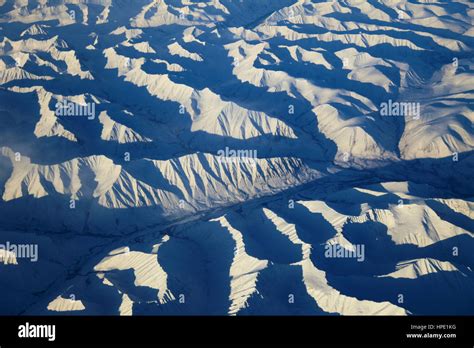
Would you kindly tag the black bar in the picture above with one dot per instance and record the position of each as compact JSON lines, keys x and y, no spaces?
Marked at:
{"x":292,"y":331}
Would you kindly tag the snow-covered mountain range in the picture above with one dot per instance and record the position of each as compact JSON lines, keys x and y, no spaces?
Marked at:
{"x":237,"y":157}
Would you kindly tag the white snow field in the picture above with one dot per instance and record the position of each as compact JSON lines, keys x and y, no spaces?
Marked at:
{"x":237,"y":157}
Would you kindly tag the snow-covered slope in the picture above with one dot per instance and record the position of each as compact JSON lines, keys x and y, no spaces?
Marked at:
{"x":180,"y":157}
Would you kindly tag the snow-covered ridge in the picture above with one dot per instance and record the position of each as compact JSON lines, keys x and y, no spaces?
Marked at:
{"x":224,"y":265}
{"x":239,"y":157}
